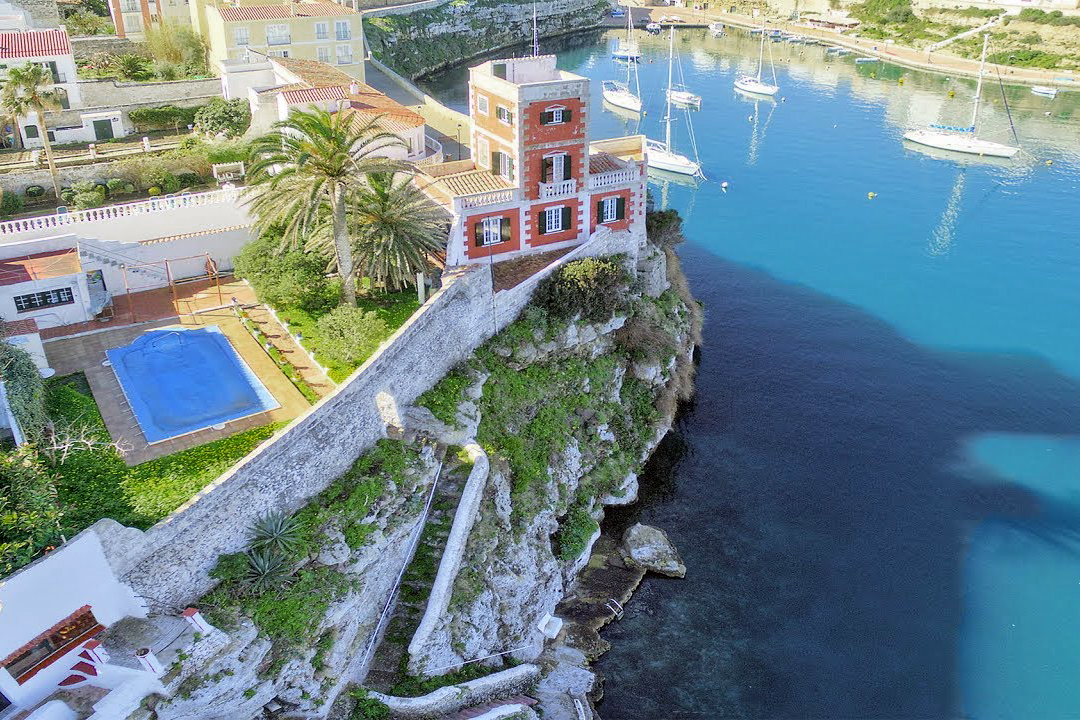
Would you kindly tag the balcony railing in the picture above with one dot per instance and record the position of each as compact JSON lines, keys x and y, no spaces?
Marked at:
{"x":433,"y":152}
{"x":613,"y":177}
{"x":558,"y":189}
{"x":343,"y":35}
{"x":492,"y":197}
{"x":111,"y":212}
{"x":322,"y":35}
{"x":344,"y":59}
{"x":278,"y":39}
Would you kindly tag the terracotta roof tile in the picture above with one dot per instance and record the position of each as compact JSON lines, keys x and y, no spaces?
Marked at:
{"x":602,"y":162}
{"x":472,"y":182}
{"x":34,"y":43}
{"x":295,"y":96}
{"x":41,"y":266}
{"x":314,"y":72}
{"x":283,"y":12}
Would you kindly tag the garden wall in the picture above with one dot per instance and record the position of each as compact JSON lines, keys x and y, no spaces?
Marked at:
{"x":84,"y":47}
{"x":172,"y":560}
{"x":113,"y":94}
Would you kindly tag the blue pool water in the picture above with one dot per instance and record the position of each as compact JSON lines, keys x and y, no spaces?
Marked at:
{"x":877,"y":488}
{"x":179,"y":380}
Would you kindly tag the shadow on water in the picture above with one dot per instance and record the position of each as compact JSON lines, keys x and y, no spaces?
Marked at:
{"x":812,"y":490}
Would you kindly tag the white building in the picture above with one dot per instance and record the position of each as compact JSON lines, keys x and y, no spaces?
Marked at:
{"x":52,"y":50}
{"x":50,"y":288}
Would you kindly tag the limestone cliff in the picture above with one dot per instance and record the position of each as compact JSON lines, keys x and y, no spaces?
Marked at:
{"x":567,"y":403}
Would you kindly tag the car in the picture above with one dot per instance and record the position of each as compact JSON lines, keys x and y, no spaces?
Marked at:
{"x":618,"y":12}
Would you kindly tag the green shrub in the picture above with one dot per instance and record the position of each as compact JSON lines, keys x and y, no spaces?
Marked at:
{"x":1026,"y":58}
{"x":593,"y":288}
{"x":165,"y":180}
{"x":10,"y":203}
{"x":153,"y":191}
{"x":25,"y":390}
{"x":230,"y":118}
{"x":35,"y":191}
{"x":117,"y":186}
{"x":286,"y":279}
{"x":29,"y":512}
{"x":164,"y":117}
{"x":277,"y":532}
{"x":88,"y":200}
{"x":367,"y":708}
{"x":575,"y":530}
{"x":189,"y":179}
{"x":67,"y":195}
{"x":350,"y":335}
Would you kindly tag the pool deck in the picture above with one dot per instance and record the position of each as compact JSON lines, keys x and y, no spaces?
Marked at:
{"x":85,"y":353}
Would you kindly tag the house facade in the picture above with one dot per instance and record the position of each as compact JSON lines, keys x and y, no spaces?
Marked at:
{"x":326,"y":32}
{"x":535,"y":182}
{"x":131,"y":18}
{"x":51,"y":49}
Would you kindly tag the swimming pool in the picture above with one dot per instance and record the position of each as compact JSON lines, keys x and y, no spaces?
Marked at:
{"x":180,"y":380}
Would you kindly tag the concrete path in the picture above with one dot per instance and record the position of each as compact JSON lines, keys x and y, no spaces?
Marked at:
{"x":441,"y":125}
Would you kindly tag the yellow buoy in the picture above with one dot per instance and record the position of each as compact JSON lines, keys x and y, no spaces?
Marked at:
{"x":871,"y":195}
{"x":952,"y":93}
{"x":1049,"y":162}
{"x":900,"y":81}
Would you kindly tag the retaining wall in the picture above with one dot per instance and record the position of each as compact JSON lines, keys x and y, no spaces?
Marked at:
{"x":111,"y":93}
{"x":87,"y":45}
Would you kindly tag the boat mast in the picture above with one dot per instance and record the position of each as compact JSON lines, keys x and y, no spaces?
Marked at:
{"x":536,"y":34}
{"x":978,"y":85}
{"x":667,"y":116}
{"x":761,"y":50}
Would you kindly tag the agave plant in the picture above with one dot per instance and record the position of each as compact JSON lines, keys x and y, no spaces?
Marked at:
{"x":278,"y":532}
{"x":267,"y":570}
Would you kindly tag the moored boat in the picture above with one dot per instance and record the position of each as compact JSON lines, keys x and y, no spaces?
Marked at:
{"x":1044,"y":91}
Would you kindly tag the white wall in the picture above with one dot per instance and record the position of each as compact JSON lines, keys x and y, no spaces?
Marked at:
{"x":44,"y":593}
{"x":75,"y":312}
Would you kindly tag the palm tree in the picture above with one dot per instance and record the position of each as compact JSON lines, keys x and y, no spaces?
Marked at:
{"x":26,"y":91}
{"x":303,"y":170}
{"x":396,"y":229}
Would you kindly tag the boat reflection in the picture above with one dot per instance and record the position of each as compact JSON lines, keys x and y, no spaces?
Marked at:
{"x":757,"y":132}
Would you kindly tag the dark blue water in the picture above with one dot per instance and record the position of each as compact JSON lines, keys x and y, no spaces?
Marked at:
{"x":877,"y":489}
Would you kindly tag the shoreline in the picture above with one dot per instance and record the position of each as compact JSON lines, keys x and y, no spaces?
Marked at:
{"x":939,"y":63}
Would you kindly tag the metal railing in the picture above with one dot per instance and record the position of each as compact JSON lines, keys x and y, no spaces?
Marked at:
{"x":612,"y":177}
{"x":492,"y":197}
{"x":344,"y":59}
{"x":341,"y":36}
{"x":278,"y":39}
{"x":112,"y":212}
{"x":558,"y":189}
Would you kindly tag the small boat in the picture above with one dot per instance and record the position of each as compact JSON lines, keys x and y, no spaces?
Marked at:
{"x":653,"y":28}
{"x":776,"y":33}
{"x":620,"y":95}
{"x":662,"y":155}
{"x":832,"y":50}
{"x":864,"y":60}
{"x":627,"y":49}
{"x":796,"y":39}
{"x":682,"y":96}
{"x":963,"y":139}
{"x":754,"y":84}
{"x":755,"y":31}
{"x":716,"y":28}
{"x":1044,"y":91}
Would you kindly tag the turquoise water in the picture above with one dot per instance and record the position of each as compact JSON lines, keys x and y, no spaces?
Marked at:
{"x":877,"y":490}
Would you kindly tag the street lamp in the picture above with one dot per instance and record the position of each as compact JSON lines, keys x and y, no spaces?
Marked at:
{"x":457,"y":135}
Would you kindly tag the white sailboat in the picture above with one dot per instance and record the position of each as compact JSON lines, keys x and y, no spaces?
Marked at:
{"x":661,"y":155}
{"x":627,"y":49}
{"x":680,"y":94}
{"x":963,"y":139}
{"x":624,"y":95}
{"x":752,"y":84}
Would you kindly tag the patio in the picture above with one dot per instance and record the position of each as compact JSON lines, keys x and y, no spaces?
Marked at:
{"x":86,"y":352}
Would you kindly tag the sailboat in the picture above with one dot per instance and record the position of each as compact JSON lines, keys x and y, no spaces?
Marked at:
{"x":622,"y":95}
{"x":752,"y":84}
{"x":679,"y":93}
{"x":661,"y":155}
{"x":627,"y":49}
{"x":963,"y":139}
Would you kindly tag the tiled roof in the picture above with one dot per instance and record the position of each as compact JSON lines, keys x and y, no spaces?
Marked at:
{"x":34,"y":43}
{"x":314,"y":72}
{"x":472,"y":182}
{"x":282,"y":12}
{"x":26,"y":326}
{"x":602,"y":162}
{"x":41,"y":266}
{"x":282,"y":88}
{"x":299,"y":95}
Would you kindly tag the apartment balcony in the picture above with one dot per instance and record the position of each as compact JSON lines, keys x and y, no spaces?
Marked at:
{"x":344,"y":59}
{"x":343,"y":36}
{"x":599,"y":181}
{"x":322,"y":35}
{"x":432,"y":155}
{"x":562,"y":188}
{"x":279,"y":39}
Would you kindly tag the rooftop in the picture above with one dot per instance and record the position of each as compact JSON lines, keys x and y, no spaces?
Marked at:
{"x":313,"y":72}
{"x":524,"y":71}
{"x":282,"y":12}
{"x":41,"y":266}
{"x":601,"y":162}
{"x":34,"y":43}
{"x":471,"y":182}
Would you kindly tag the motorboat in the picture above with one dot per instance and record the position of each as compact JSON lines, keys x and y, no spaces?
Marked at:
{"x":716,"y":28}
{"x":963,"y":139}
{"x":864,"y":60}
{"x":1044,"y":91}
{"x":653,"y":28}
{"x":620,"y":95}
{"x":682,"y":96}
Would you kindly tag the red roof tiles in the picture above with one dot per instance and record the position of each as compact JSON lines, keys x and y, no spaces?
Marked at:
{"x":282,"y":12}
{"x":41,"y":266}
{"x":34,"y":43}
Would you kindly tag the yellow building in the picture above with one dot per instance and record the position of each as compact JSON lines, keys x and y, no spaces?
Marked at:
{"x":131,"y":16}
{"x":322,"y":31}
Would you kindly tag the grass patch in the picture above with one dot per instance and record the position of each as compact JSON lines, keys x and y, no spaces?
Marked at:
{"x":575,"y":530}
{"x":95,"y":483}
{"x":415,"y":687}
{"x":287,"y":368}
{"x":443,"y":399}
{"x":392,"y":308}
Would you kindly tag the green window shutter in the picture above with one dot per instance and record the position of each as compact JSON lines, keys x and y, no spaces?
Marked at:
{"x":478,"y":233}
{"x":504,"y":229}
{"x":568,"y":166}
{"x":620,"y":208}
{"x":495,"y":162}
{"x":545,"y":117}
{"x":567,"y":115}
{"x":546,"y":165}
{"x":566,"y":218}
{"x":541,"y":222}
{"x":599,"y":211}
{"x":510,"y":168}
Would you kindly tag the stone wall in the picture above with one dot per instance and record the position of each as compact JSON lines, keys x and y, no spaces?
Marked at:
{"x":43,"y":13}
{"x":421,"y":38}
{"x":111,"y":93}
{"x":84,"y":47}
{"x":172,"y":560}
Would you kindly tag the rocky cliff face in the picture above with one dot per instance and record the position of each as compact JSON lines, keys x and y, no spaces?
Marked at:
{"x":418,"y":42}
{"x":567,"y":411}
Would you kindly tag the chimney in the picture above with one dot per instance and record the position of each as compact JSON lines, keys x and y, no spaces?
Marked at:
{"x":354,"y":89}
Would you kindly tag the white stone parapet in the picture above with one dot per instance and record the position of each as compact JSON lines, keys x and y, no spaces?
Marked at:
{"x":614,"y":177}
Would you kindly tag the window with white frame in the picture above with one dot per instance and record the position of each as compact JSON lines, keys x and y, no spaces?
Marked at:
{"x":278,"y":34}
{"x":278,"y":53}
{"x":504,"y":115}
{"x":553,"y":220}
{"x":612,"y":209}
{"x":241,"y":35}
{"x":483,"y":151}
{"x":555,"y":168}
{"x":322,"y":30}
{"x":555,"y":116}
{"x":482,"y":104}
{"x":342,"y":30}
{"x":324,"y":54}
{"x":502,"y":164}
{"x":344,"y":54}
{"x":492,"y":231}
{"x":48,"y":298}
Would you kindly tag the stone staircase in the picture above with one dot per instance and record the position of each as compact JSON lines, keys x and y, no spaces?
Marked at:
{"x":481,"y":710}
{"x":388,"y":662}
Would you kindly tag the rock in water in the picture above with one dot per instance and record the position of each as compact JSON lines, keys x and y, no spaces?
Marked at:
{"x":648,"y":548}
